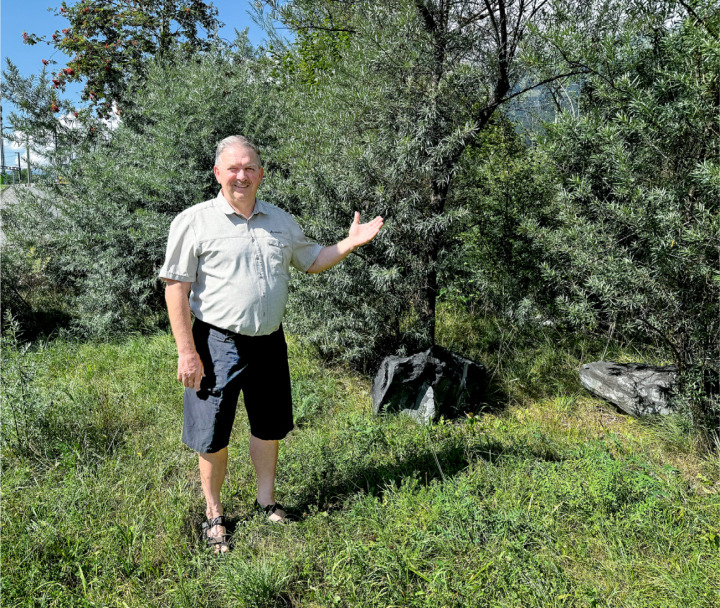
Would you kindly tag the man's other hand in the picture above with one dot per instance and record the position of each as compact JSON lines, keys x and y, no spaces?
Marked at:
{"x":190,"y":370}
{"x":360,"y":234}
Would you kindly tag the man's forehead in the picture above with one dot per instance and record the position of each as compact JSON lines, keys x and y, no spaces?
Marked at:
{"x":238,"y":152}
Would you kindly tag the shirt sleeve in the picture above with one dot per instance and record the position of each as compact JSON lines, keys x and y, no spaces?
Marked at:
{"x":181,"y":260}
{"x":304,"y":251}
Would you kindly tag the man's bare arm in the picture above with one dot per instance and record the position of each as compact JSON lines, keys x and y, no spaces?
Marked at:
{"x":360,"y":234}
{"x":190,"y":368}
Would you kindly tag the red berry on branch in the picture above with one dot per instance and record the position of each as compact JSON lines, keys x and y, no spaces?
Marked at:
{"x":45,"y":61}
{"x":75,"y":114}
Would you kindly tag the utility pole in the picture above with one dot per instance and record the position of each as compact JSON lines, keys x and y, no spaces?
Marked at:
{"x":27,"y":151}
{"x":19,"y":168}
{"x":2,"y":145}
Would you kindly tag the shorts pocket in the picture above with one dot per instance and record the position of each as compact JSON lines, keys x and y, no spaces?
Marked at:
{"x":200,"y":412}
{"x":218,"y":336}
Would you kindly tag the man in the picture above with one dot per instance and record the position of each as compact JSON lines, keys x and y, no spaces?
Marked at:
{"x":228,"y":263}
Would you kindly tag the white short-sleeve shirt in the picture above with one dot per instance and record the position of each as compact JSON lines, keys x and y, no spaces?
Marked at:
{"x":239,"y":268}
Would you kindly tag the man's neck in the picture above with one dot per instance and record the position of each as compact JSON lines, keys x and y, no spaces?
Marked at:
{"x":244,"y":209}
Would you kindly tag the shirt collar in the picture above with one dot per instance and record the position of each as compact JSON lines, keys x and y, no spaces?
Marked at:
{"x":227,"y":209}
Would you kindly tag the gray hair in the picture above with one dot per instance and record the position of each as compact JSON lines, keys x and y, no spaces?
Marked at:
{"x":236,"y":140}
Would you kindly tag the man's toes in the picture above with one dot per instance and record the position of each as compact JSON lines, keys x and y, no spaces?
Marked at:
{"x":278,"y":516}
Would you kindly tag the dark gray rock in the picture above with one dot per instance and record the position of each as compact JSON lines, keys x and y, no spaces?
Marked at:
{"x":428,"y":385}
{"x":636,"y":389}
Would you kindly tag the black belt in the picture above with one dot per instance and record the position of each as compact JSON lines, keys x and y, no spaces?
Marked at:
{"x":229,"y":333}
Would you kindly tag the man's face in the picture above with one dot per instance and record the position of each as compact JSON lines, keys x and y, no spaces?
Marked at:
{"x":239,"y":173}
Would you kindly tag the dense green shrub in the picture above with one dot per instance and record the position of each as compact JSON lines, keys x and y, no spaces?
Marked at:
{"x":630,"y":237}
{"x":492,"y":264}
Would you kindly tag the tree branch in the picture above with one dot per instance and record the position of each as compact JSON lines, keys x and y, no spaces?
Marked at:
{"x":324,"y":29}
{"x":427,"y":15}
{"x":539,"y":84}
{"x":691,"y":11}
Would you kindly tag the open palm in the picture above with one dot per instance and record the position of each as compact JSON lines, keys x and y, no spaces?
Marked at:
{"x":364,"y":233}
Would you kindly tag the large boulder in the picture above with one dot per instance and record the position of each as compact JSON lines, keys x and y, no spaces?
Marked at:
{"x":637,"y":389}
{"x":428,"y":385}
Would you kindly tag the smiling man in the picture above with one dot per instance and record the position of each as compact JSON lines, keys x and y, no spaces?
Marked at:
{"x":228,"y":265}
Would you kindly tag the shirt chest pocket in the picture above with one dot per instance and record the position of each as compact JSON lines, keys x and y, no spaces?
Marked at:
{"x":276,"y":253}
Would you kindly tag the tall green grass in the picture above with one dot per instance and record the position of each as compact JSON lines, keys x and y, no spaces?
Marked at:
{"x":550,"y":498}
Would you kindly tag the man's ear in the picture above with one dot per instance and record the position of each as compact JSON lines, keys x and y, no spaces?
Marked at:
{"x":216,"y":171}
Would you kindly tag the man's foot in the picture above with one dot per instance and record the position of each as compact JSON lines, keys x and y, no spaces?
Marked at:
{"x":275,"y":513}
{"x":216,"y":536}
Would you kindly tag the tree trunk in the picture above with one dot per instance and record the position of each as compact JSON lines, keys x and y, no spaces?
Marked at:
{"x":427,"y":300}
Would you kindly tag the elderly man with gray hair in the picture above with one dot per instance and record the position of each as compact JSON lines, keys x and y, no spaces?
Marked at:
{"x":228,"y":265}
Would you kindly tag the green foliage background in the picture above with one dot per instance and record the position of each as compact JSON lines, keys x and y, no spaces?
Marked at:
{"x":104,"y":239}
{"x":603,"y":221}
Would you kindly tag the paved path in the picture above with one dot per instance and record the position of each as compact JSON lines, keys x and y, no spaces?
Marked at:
{"x":9,"y":196}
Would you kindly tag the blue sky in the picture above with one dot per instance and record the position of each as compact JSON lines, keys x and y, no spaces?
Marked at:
{"x":33,"y":17}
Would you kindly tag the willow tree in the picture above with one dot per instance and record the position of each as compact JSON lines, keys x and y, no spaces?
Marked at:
{"x":382,"y":100}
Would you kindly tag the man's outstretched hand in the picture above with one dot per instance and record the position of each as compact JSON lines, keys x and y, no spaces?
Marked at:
{"x":362,"y":234}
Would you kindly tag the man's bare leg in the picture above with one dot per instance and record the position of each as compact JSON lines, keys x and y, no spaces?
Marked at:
{"x":264,"y":456}
{"x":212,"y":474}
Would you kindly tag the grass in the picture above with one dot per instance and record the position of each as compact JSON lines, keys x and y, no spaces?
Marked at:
{"x":550,"y":498}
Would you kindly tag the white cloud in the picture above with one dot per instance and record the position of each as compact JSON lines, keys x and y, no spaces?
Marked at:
{"x":12,"y":148}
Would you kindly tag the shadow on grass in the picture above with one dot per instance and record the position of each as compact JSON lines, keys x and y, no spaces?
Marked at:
{"x":38,"y":324}
{"x":427,"y":465}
